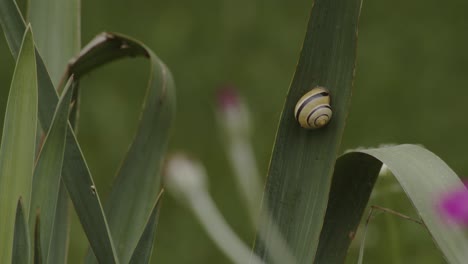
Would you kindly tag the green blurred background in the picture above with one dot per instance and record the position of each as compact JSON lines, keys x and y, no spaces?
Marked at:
{"x":410,"y":87}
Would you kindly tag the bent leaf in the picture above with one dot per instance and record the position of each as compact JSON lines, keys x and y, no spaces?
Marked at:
{"x":139,"y":177}
{"x":423,"y":176}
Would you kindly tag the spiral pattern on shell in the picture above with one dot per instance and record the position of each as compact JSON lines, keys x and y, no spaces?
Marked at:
{"x":313,"y":110}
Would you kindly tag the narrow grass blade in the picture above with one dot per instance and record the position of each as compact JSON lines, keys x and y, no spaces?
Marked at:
{"x":75,"y":173}
{"x":58,"y":247}
{"x":13,"y":25}
{"x":138,"y":178}
{"x":46,"y":181}
{"x":423,"y":176}
{"x":57,"y":38}
{"x":302,"y":162}
{"x":21,"y":244}
{"x":37,"y":240}
{"x":23,"y":5}
{"x":18,"y":144}
{"x":142,"y":253}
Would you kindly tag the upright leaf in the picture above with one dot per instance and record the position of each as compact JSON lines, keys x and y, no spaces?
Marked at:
{"x":142,"y":253}
{"x":37,"y":240}
{"x":57,"y":37}
{"x":302,"y":162}
{"x":75,"y":174}
{"x":18,"y":143}
{"x":21,"y":244}
{"x":46,"y":181}
{"x":58,"y":247}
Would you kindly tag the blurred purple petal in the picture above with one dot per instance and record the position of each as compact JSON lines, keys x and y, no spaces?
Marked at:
{"x":454,"y":206}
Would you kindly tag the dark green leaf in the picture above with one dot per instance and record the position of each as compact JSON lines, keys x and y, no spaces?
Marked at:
{"x":142,"y":253}
{"x":302,"y":162}
{"x":138,"y":182}
{"x":37,"y":240}
{"x":21,"y":237}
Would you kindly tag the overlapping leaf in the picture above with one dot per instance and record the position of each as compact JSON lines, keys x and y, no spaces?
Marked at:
{"x":17,"y":149}
{"x":46,"y":181}
{"x":75,"y":174}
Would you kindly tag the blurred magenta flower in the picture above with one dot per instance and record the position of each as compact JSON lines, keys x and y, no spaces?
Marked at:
{"x":228,"y":97}
{"x":453,"y":206}
{"x":232,"y":113}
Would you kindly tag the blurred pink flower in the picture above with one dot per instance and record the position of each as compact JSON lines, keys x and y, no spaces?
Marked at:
{"x":454,"y":206}
{"x":228,"y":97}
{"x":232,"y":112}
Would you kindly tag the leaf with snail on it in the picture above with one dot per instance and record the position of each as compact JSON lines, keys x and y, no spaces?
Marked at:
{"x":302,"y":162}
{"x":424,"y":178}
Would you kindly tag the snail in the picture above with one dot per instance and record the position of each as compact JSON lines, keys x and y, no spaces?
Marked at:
{"x":313,"y":109}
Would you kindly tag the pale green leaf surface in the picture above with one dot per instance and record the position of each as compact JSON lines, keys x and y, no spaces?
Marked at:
{"x":58,"y":248}
{"x":424,"y":178}
{"x":142,"y":253}
{"x":75,"y":173}
{"x":17,"y":149}
{"x":57,"y":33}
{"x":21,"y":244}
{"x":301,"y":167}
{"x":138,"y":181}
{"x":46,"y":181}
{"x":57,"y":28}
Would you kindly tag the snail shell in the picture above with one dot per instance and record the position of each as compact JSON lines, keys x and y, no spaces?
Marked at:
{"x":313,"y":109}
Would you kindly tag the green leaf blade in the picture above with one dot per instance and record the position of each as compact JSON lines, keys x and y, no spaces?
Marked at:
{"x":17,"y":149}
{"x":138,"y":181}
{"x":301,"y":167}
{"x":76,"y":175}
{"x":142,"y":253}
{"x":60,"y":236}
{"x":47,"y":174}
{"x":58,"y":37}
{"x":423,"y":176}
